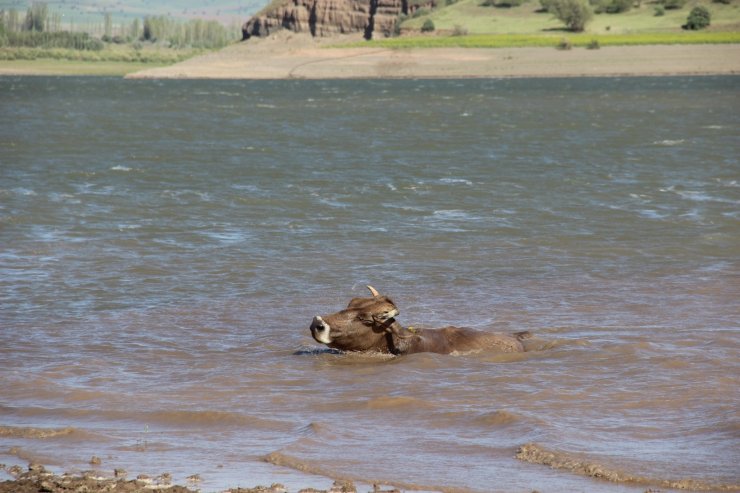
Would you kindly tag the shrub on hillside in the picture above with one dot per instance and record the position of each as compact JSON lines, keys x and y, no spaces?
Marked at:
{"x":428,"y":26}
{"x":420,"y":12}
{"x":575,"y":14}
{"x":699,"y":18}
{"x":564,"y":44}
{"x":673,"y":4}
{"x":503,"y":4}
{"x":396,"y":29}
{"x":459,"y":30}
{"x":545,"y":4}
{"x":618,"y":6}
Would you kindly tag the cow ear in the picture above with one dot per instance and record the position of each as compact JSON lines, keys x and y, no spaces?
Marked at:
{"x":357,"y":302}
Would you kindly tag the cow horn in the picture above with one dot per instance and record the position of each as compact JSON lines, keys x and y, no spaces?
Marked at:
{"x":373,"y":290}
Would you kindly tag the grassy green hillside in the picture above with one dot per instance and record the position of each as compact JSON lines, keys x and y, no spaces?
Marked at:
{"x":475,"y":18}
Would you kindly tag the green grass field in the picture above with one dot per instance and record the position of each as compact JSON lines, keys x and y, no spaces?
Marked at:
{"x":553,"y":39}
{"x":472,"y":16}
{"x":47,"y":66}
{"x":526,"y":25}
{"x":113,"y":60}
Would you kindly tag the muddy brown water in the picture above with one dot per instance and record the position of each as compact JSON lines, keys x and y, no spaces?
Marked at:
{"x":165,"y":245}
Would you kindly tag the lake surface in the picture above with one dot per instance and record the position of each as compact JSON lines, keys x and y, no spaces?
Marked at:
{"x":165,"y":245}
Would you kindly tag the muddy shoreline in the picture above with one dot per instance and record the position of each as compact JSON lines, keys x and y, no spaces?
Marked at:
{"x":37,"y":479}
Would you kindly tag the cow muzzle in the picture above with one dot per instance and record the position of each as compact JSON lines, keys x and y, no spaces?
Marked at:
{"x":320,"y":330}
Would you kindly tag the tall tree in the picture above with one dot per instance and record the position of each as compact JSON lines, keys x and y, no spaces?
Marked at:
{"x":36,"y":16}
{"x":108,"y":25}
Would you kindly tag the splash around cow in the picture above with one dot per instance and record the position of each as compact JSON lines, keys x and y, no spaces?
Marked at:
{"x":369,"y":325}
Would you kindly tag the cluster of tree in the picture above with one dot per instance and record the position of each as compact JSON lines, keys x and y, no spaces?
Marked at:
{"x":38,"y":18}
{"x":196,"y":33}
{"x":59,"y":39}
{"x":575,"y":14}
{"x":43,"y":28}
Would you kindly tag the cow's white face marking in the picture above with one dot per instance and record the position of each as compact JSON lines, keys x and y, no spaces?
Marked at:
{"x":321,"y":330}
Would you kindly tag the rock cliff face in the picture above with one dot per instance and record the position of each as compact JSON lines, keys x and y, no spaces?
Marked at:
{"x":330,"y":17}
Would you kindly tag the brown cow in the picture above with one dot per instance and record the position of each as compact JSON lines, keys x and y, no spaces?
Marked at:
{"x":369,"y":324}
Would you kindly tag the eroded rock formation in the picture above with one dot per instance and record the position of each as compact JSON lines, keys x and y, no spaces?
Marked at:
{"x":330,"y":17}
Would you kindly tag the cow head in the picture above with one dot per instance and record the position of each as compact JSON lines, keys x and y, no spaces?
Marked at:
{"x":363,"y":326}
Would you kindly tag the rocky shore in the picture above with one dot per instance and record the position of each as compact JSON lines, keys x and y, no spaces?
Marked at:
{"x":36,"y":479}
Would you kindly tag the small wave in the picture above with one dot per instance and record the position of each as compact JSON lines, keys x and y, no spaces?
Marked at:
{"x":63,"y":197}
{"x":30,"y":432}
{"x":452,"y":215}
{"x":397,"y":402}
{"x":669,"y":142}
{"x":122,"y":227}
{"x":179,"y":194}
{"x":652,"y":214}
{"x":361,"y":357}
{"x":456,"y":181}
{"x":315,"y":351}
{"x":697,"y":196}
{"x":120,"y":168}
{"x":536,"y":454}
{"x":704,"y":197}
{"x":283,"y":460}
{"x":210,"y":418}
{"x":226,"y":236}
{"x":497,"y":418}
{"x":27,"y":192}
{"x":314,"y":429}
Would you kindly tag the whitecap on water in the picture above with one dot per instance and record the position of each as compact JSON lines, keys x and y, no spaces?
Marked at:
{"x":669,"y":142}
{"x":703,"y":197}
{"x":120,"y":168}
{"x":63,"y":197}
{"x":452,"y":215}
{"x":727,"y":183}
{"x":652,"y":214}
{"x":225,"y":236}
{"x":456,"y":181}
{"x":24,"y":191}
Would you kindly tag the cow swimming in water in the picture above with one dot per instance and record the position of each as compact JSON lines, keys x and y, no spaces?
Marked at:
{"x":369,"y":324}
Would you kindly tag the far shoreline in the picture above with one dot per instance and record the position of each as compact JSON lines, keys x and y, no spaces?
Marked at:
{"x":299,"y":56}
